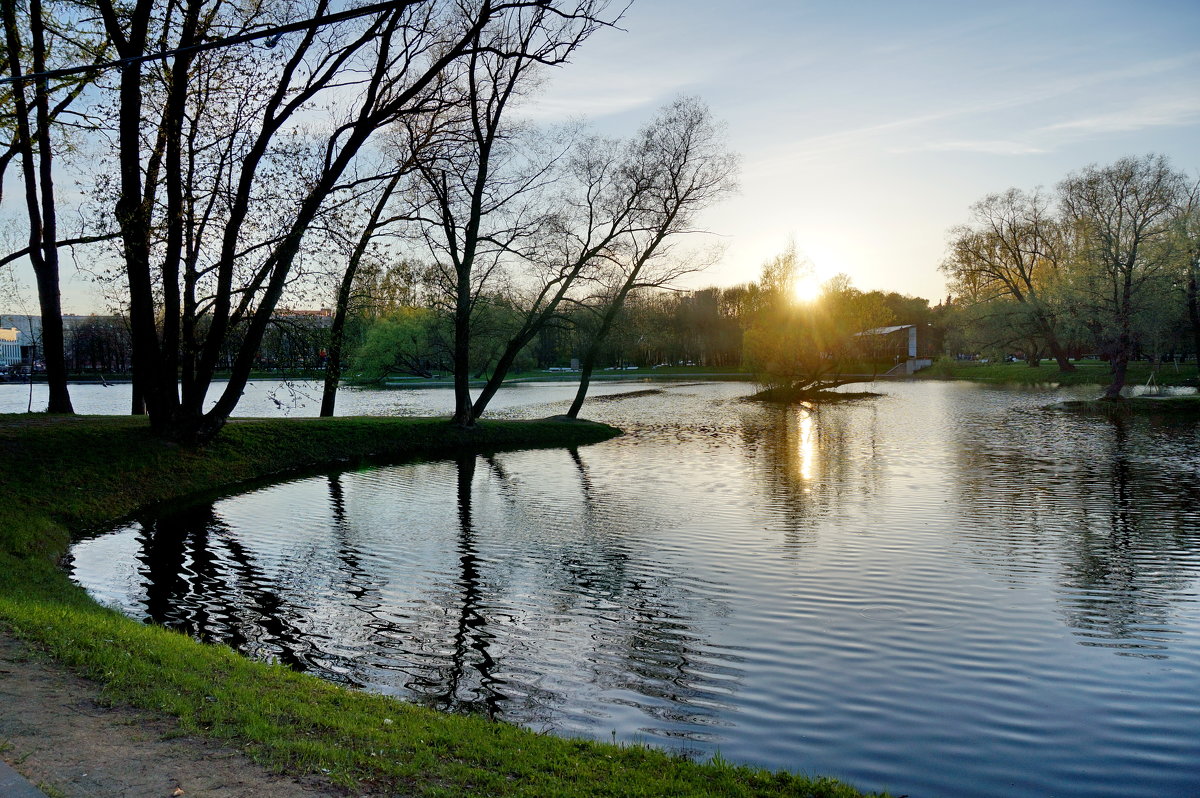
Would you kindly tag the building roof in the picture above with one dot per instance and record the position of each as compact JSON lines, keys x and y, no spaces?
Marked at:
{"x":885,"y":330}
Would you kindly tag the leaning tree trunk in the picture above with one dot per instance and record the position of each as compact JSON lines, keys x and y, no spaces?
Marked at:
{"x":586,"y":365}
{"x":588,"y":362}
{"x":1056,"y":349}
{"x":337,"y":334}
{"x":333,"y":362}
{"x":499,"y":372}
{"x":337,"y":331}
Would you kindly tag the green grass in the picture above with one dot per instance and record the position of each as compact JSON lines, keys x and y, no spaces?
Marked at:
{"x":1087,"y":372}
{"x":63,"y":475}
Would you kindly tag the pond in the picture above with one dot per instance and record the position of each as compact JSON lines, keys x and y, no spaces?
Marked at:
{"x":944,"y":591}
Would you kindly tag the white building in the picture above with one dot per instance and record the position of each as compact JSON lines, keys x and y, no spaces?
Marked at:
{"x":10,"y":348}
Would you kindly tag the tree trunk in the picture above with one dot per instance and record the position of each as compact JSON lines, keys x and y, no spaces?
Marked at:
{"x":1120,"y":365}
{"x":159,"y":391}
{"x":53,"y":343}
{"x":137,"y":405}
{"x":53,"y":339}
{"x":1056,"y":349}
{"x":507,"y":358}
{"x":534,"y":323}
{"x":1193,"y":306}
{"x":586,"y":365}
{"x":462,"y":359}
{"x":333,"y":362}
{"x":39,"y":199}
{"x":1120,"y":362}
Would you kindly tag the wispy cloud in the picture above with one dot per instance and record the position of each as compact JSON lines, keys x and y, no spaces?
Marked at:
{"x":924,"y":132}
{"x":982,"y":146}
{"x":1167,"y":112}
{"x":615,"y":91}
{"x":921,"y":40}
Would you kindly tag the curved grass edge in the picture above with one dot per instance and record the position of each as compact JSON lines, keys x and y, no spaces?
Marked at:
{"x":67,"y":475}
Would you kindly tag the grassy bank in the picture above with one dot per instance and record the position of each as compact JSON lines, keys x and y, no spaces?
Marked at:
{"x":69,"y":474}
{"x":1087,"y":372}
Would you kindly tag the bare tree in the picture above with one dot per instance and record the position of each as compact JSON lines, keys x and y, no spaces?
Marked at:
{"x":481,"y":193}
{"x":598,"y":208}
{"x":682,"y":161}
{"x":1123,"y":215}
{"x":1013,"y":249}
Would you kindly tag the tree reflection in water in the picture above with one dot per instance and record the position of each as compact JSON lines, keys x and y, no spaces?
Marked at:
{"x":531,"y":590}
{"x":201,"y":581}
{"x":466,"y":681}
{"x":1122,"y":524}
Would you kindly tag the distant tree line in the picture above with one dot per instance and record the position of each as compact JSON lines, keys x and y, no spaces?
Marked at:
{"x":393,"y":332}
{"x":755,"y":326}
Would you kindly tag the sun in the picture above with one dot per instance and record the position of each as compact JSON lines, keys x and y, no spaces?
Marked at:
{"x":807,"y":289}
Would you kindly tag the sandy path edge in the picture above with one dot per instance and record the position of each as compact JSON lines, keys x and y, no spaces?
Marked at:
{"x":56,"y":730}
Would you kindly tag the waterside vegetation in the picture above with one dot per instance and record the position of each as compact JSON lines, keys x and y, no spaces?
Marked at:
{"x":1179,"y":406}
{"x":66,"y":475}
{"x":787,"y":395}
{"x":1085,"y":372}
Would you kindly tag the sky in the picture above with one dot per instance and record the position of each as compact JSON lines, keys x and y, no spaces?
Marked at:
{"x":867,"y":129}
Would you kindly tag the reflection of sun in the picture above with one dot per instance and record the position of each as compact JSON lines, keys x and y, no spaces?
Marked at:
{"x":807,"y":445}
{"x":807,"y":289}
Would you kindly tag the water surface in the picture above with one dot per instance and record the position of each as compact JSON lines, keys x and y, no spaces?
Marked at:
{"x":945,"y":591}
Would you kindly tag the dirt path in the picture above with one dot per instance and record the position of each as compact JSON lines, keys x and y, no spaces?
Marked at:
{"x":55,"y":731}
